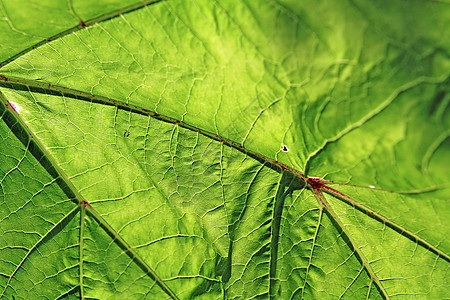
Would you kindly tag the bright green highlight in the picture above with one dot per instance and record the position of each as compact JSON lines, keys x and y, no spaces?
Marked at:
{"x":356,"y":91}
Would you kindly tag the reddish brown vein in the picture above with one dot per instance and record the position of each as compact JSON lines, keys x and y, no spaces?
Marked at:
{"x":42,"y":87}
{"x":370,"y":212}
{"x":317,"y":187}
{"x":82,"y":24}
{"x":85,"y":207}
{"x":313,"y":182}
{"x":316,"y":184}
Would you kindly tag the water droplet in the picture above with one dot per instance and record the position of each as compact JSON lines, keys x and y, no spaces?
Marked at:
{"x":371,"y":186}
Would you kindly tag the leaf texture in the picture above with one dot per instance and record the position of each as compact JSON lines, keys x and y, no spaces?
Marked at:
{"x":220,"y":150}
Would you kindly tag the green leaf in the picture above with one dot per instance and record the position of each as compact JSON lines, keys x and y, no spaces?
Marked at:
{"x":219,"y":149}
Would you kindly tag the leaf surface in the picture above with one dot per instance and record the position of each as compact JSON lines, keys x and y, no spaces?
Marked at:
{"x":170,"y":150}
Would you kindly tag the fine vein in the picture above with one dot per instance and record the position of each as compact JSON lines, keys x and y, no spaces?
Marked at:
{"x":82,"y":24}
{"x":316,"y":185}
{"x":46,"y":236}
{"x":57,"y":172}
{"x":403,"y":231}
{"x":129,"y":250}
{"x":330,"y":211}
